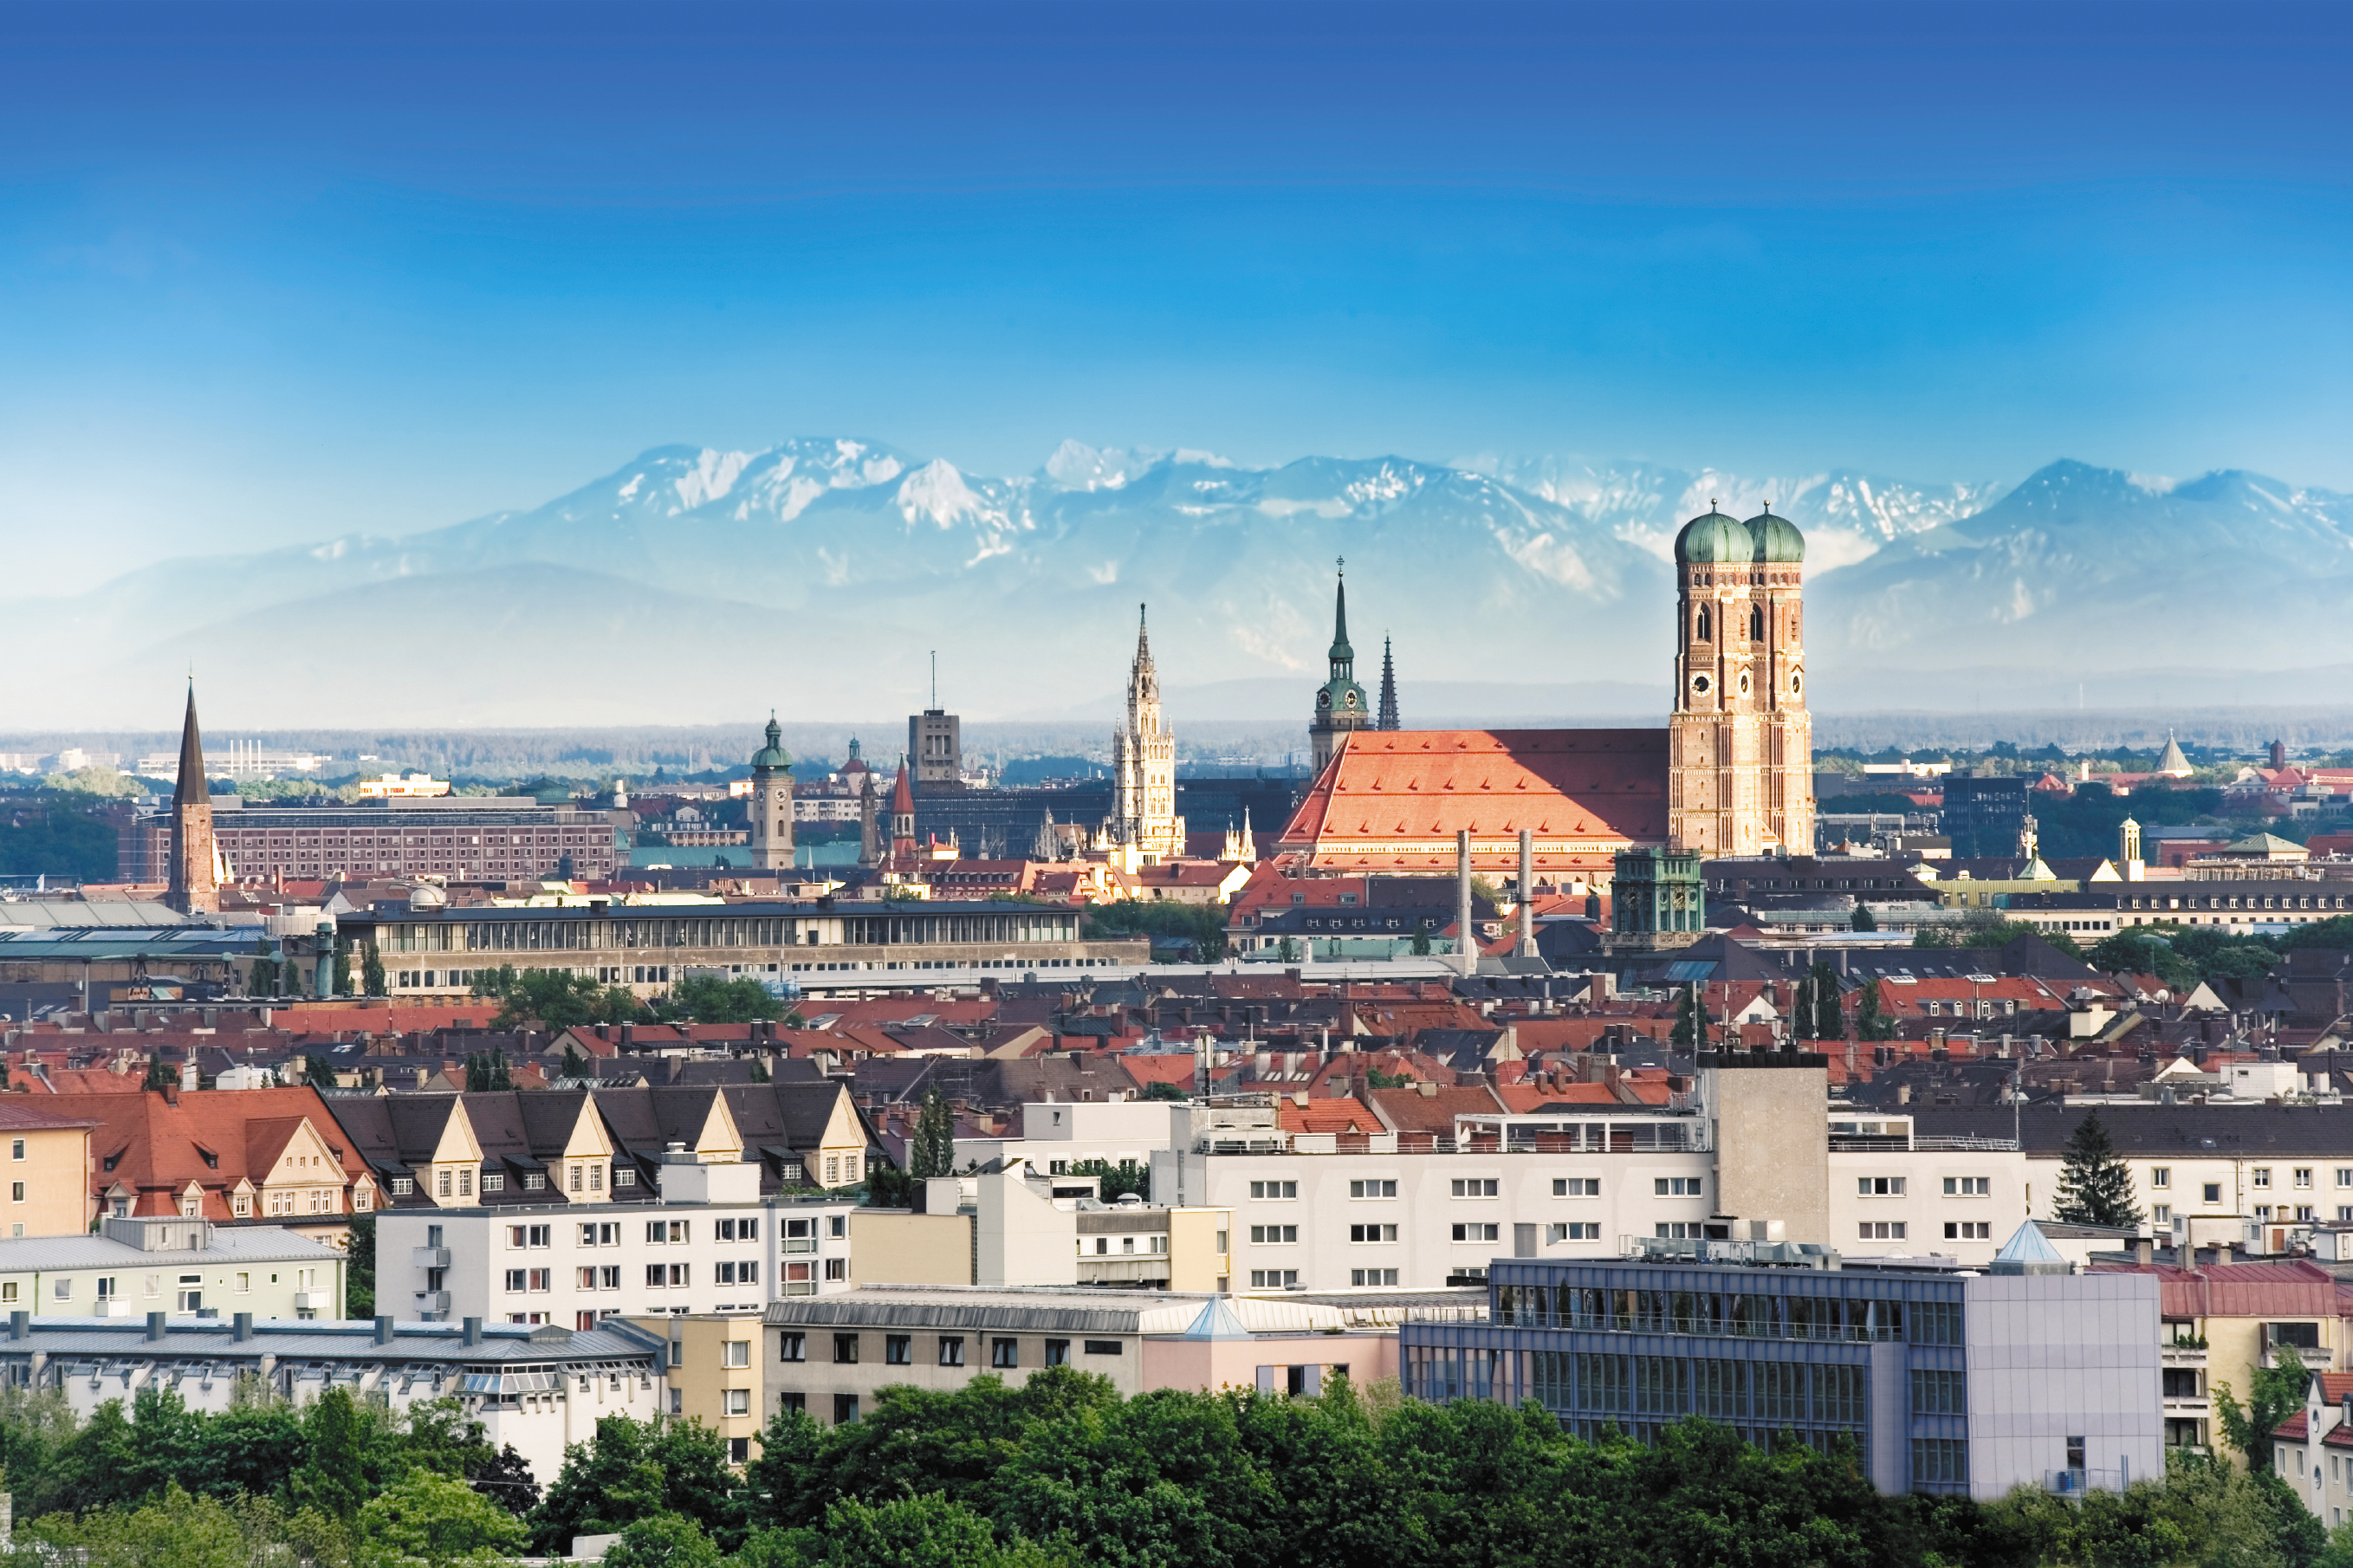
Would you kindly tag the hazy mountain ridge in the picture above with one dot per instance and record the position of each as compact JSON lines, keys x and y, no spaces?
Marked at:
{"x":816,"y":574}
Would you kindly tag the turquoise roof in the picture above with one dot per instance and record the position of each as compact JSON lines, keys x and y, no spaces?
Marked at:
{"x":1713,"y":537}
{"x":773,"y":754}
{"x":1777,"y":540}
{"x":1217,"y":1321}
{"x":2027,"y":1243}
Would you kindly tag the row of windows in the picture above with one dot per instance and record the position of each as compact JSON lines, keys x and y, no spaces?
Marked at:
{"x":898,"y":1349}
{"x":1728,"y":1314}
{"x":1681,"y":1385}
{"x":1487,"y":1187}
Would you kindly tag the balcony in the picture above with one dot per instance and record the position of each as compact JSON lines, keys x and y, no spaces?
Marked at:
{"x":1124,"y":1270}
{"x":430,"y":1257}
{"x":800,"y":1244}
{"x":433,"y":1303}
{"x":311,"y":1300}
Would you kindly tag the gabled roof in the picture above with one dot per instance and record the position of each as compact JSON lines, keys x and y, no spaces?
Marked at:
{"x":1394,"y":800}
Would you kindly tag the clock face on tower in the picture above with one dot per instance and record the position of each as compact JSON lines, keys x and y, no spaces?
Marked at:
{"x":1351,"y":699}
{"x":1323,"y":700}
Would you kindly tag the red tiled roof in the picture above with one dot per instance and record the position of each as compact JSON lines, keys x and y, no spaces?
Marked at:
{"x":1392,"y":800}
{"x":1159,"y":1066}
{"x":1411,"y":1110}
{"x":2293,"y":1289}
{"x":1524,"y":1097}
{"x":2294,"y":1429}
{"x":160,"y":1147}
{"x":1329,"y":1115}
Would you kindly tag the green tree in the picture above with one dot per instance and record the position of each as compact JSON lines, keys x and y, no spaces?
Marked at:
{"x":1830,"y":1013}
{"x":633,"y":1470}
{"x":663,"y":1541}
{"x":574,"y":1063}
{"x":333,"y":1477}
{"x":342,"y":966}
{"x":1871,"y":1017}
{"x":1127,"y":1176}
{"x":372,"y":976}
{"x":2276,"y":1394}
{"x":359,"y":1270}
{"x":2140,"y":951}
{"x":925,"y":1531}
{"x":1691,"y":1020}
{"x":432,"y":1519}
{"x":1802,"y":1013}
{"x":547,"y":998}
{"x":1421,"y":942}
{"x":176,"y":1531}
{"x":932,"y":1151}
{"x":160,"y":1075}
{"x":1160,"y":1089}
{"x":1863,"y":919}
{"x":1203,"y":926}
{"x":711,"y":999}
{"x":2095,"y":1182}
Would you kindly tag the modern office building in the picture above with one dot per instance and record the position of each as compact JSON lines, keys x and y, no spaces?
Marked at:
{"x":1946,"y":1380}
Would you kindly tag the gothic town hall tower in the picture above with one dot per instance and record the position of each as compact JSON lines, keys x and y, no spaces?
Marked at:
{"x":1740,"y":772}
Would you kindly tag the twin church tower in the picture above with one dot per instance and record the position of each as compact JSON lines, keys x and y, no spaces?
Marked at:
{"x":1739,"y":742}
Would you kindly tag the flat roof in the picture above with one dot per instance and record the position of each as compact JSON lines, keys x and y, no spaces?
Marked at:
{"x":293,"y":1338}
{"x":1015,"y":1309}
{"x":266,"y":1244}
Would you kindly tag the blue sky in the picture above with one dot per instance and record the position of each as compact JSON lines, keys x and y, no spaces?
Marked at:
{"x":271,"y":273}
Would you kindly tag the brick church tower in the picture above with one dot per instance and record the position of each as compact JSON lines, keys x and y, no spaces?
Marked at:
{"x":1740,"y":773}
{"x":195,"y":877}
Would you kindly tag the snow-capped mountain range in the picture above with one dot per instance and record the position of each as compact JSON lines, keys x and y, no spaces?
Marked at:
{"x":816,"y":576}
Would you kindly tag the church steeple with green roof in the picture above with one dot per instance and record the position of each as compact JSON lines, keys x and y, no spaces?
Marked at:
{"x":1340,"y":703}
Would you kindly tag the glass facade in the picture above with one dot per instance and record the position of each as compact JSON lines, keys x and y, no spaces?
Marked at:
{"x":1824,"y":1355}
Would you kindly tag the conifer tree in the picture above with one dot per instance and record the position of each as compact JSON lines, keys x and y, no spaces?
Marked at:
{"x":2094,"y":1184}
{"x":932,"y":1151}
{"x":1830,"y":1015}
{"x":1691,"y":1023}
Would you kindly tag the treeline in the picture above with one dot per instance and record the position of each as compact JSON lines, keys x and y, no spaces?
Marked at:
{"x":1063,"y":1471}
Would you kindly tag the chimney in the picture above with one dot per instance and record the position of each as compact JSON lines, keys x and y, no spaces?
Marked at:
{"x":20,"y":1325}
{"x":1527,"y":945}
{"x":154,"y":1325}
{"x":383,"y":1331}
{"x":2144,"y":1253}
{"x":188,"y":1074}
{"x":1466,"y":942}
{"x":472,"y":1330}
{"x":240,"y":1327}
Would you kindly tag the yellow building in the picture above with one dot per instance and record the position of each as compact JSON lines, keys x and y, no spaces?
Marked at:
{"x":48,"y":1172}
{"x":713,"y":1376}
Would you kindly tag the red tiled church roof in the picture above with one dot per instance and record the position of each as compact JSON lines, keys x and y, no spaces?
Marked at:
{"x":1393,"y":800}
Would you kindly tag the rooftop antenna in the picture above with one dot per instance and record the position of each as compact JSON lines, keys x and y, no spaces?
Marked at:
{"x":935,"y":678}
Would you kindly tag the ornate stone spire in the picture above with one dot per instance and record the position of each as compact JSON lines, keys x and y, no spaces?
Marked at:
{"x":1388,"y":720}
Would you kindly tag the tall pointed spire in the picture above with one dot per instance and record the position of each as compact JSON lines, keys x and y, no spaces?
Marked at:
{"x":1388,"y":719}
{"x":1341,"y":651}
{"x":193,"y":885}
{"x":191,"y":785}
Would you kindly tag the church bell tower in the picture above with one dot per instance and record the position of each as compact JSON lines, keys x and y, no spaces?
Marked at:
{"x":769,"y":812}
{"x":1740,"y":775}
{"x":1340,"y":705}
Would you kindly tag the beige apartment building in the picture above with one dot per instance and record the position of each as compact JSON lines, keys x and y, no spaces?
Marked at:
{"x":48,"y":1189}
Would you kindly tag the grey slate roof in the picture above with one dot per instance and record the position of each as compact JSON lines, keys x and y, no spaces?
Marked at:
{"x":259,"y":1244}
{"x":1032,"y":1311}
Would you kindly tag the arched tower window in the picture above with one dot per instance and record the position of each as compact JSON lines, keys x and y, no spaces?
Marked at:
{"x":1757,"y":624}
{"x":1699,"y":630}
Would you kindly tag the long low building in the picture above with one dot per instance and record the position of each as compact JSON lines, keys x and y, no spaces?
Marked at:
{"x":462,"y":838}
{"x":831,"y":1355}
{"x":816,"y":945}
{"x":535,"y":1388}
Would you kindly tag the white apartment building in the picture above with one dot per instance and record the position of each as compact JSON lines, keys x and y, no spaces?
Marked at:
{"x":708,"y":1243}
{"x":1059,"y":1134}
{"x":1317,"y":1212}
